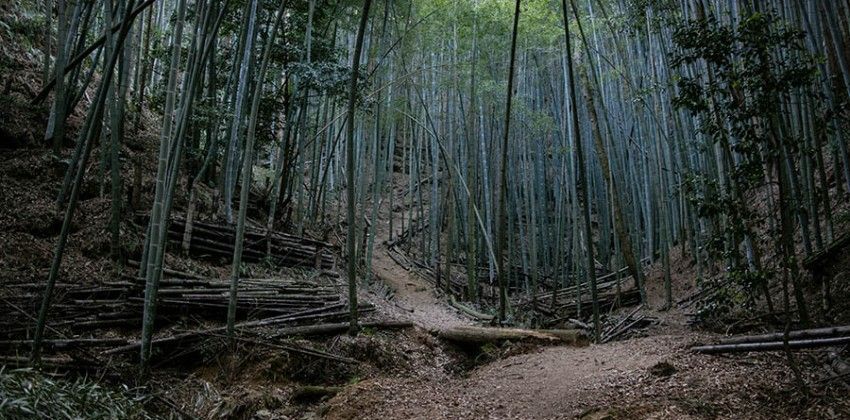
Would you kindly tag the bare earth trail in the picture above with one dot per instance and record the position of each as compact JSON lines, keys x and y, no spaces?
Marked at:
{"x":619,"y":380}
{"x":413,"y":294}
{"x":649,"y":377}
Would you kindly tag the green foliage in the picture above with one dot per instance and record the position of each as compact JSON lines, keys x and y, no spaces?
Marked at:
{"x":640,"y":14}
{"x":752,"y":67}
{"x":737,"y":292}
{"x":26,"y":25}
{"x":751,"y":70}
{"x":538,"y":123}
{"x":488,"y":22}
{"x":327,"y":77}
{"x":25,"y":393}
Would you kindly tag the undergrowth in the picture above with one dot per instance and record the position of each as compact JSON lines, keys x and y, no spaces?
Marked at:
{"x":26,"y":393}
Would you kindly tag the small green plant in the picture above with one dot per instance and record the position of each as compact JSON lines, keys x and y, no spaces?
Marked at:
{"x":26,"y":25}
{"x":25,"y":393}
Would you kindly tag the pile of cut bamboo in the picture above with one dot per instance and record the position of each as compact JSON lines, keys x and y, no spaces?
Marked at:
{"x":626,"y":325}
{"x":576,"y":302}
{"x":257,"y":296}
{"x":270,"y":310}
{"x":206,"y":239}
{"x":119,"y":303}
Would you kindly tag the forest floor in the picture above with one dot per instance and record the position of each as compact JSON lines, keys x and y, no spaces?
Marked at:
{"x":411,"y":374}
{"x":648,"y":377}
{"x":406,"y":374}
{"x":654,"y":376}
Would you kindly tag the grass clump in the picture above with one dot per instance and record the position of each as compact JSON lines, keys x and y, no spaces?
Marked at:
{"x":26,"y":393}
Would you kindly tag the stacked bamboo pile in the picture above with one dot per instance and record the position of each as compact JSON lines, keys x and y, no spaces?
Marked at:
{"x":574,"y":301}
{"x":576,"y":307}
{"x":119,"y":303}
{"x":266,"y":332}
{"x":256,"y":296}
{"x":554,"y":306}
{"x":604,"y":284}
{"x":81,"y":308}
{"x":207,"y":239}
{"x":265,"y":328}
{"x":626,"y":325}
{"x":270,"y":310}
{"x":704,"y":292}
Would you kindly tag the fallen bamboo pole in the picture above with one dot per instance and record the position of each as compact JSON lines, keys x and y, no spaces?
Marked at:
{"x":469,"y":311}
{"x":483,"y":335}
{"x":770,"y":345}
{"x":311,"y":314}
{"x":335,"y":328}
{"x":793,"y":335}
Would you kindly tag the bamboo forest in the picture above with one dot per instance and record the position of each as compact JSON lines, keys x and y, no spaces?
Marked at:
{"x":425,"y":209}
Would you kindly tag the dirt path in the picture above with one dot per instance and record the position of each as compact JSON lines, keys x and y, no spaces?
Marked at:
{"x":655,"y":376}
{"x":413,"y":294}
{"x":649,"y":377}
{"x":553,"y":382}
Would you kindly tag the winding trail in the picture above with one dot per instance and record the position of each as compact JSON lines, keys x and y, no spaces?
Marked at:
{"x":413,"y":294}
{"x":655,"y":376}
